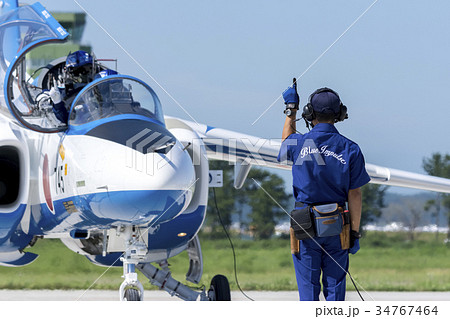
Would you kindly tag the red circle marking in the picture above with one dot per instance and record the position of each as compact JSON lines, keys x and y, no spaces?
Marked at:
{"x":46,"y":181}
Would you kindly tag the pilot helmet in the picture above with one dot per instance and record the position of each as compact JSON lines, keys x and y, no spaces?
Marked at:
{"x":79,"y":64}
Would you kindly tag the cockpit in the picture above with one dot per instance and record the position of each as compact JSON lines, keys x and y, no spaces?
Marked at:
{"x":25,"y":91}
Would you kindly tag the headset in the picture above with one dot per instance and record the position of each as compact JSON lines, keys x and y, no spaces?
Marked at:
{"x":308,"y":110}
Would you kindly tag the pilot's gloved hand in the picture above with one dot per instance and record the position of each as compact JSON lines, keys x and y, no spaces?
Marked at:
{"x":290,"y":96}
{"x":55,"y":95}
{"x":60,"y":82}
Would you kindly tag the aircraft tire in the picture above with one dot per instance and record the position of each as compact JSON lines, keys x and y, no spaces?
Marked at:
{"x":132,"y":295}
{"x":221,"y":288}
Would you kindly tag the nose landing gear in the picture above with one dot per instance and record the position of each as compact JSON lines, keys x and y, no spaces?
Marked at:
{"x":131,"y":289}
{"x":135,"y":258}
{"x":220,"y":289}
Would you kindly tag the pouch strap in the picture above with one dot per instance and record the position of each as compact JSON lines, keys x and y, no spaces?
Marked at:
{"x":326,"y":209}
{"x":301,"y":204}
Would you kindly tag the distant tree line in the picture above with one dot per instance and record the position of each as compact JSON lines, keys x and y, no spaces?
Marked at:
{"x":263,"y":212}
{"x":438,"y":165}
{"x":372,"y":203}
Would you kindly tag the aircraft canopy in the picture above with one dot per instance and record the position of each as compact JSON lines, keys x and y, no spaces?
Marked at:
{"x":21,"y":30}
{"x":115,"y":95}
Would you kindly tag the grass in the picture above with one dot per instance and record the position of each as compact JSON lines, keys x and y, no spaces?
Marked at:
{"x":386,"y":262}
{"x":392,"y":263}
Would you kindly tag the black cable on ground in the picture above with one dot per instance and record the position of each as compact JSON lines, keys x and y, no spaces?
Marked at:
{"x":351,"y":278}
{"x":231,"y":243}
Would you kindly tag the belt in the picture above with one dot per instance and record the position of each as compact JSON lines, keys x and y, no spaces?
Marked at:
{"x":301,"y":204}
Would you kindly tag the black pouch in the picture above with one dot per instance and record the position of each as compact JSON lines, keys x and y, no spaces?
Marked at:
{"x":302,"y":223}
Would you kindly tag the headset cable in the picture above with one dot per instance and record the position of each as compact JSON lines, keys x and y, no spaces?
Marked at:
{"x":231,"y":244}
{"x":354,"y":285}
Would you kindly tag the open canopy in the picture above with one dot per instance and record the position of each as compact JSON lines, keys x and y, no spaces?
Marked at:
{"x":21,"y":30}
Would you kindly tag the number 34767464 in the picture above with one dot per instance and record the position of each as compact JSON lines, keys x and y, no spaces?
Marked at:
{"x":407,"y":310}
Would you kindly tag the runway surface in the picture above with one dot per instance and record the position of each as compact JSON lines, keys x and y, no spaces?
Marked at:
{"x":151,"y":295}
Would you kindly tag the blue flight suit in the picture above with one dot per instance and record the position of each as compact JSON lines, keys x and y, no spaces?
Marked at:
{"x":326,"y":165}
{"x":60,"y":110}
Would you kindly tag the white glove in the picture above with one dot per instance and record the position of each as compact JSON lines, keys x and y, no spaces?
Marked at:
{"x":60,"y":81}
{"x":55,"y":95}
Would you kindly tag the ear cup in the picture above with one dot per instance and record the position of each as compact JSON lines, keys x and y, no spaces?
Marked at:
{"x":308,"y":112}
{"x":342,"y":113}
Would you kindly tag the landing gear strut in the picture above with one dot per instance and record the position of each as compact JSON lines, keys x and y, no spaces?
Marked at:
{"x":131,"y":289}
{"x":135,"y":258}
{"x":162,"y":278}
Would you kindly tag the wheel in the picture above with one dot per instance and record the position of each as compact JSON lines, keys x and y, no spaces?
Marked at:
{"x":132,"y":295}
{"x":221,"y":288}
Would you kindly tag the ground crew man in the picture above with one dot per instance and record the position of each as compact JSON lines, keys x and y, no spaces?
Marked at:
{"x":328,"y":169}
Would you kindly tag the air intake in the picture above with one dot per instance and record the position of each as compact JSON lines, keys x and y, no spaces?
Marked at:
{"x":9,"y":175}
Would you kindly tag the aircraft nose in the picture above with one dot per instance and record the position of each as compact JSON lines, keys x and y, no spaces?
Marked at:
{"x":131,"y":173}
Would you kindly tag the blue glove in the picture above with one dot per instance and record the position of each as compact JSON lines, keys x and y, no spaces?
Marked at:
{"x":355,"y":247}
{"x":290,"y":95}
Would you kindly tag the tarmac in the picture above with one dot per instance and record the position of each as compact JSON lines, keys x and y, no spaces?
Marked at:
{"x":152,"y":295}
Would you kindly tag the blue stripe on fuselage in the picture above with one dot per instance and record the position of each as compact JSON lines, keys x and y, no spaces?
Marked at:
{"x":107,"y":209}
{"x":9,"y":222}
{"x":11,"y":236}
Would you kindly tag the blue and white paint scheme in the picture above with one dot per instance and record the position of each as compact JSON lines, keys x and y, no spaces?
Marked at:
{"x":119,"y":183}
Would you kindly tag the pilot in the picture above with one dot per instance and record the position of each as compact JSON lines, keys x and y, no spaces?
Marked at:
{"x":327,"y":168}
{"x":80,"y":70}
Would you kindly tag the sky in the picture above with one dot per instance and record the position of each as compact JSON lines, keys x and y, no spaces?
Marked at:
{"x":224,"y":63}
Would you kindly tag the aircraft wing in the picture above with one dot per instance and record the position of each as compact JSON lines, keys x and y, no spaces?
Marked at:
{"x":246,"y":150}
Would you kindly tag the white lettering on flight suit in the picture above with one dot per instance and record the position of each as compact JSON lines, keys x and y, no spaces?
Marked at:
{"x":309,"y":148}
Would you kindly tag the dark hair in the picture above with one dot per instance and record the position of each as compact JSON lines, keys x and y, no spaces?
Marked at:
{"x":325,"y":117}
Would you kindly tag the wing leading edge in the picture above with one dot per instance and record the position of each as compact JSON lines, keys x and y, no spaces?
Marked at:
{"x":246,"y":150}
